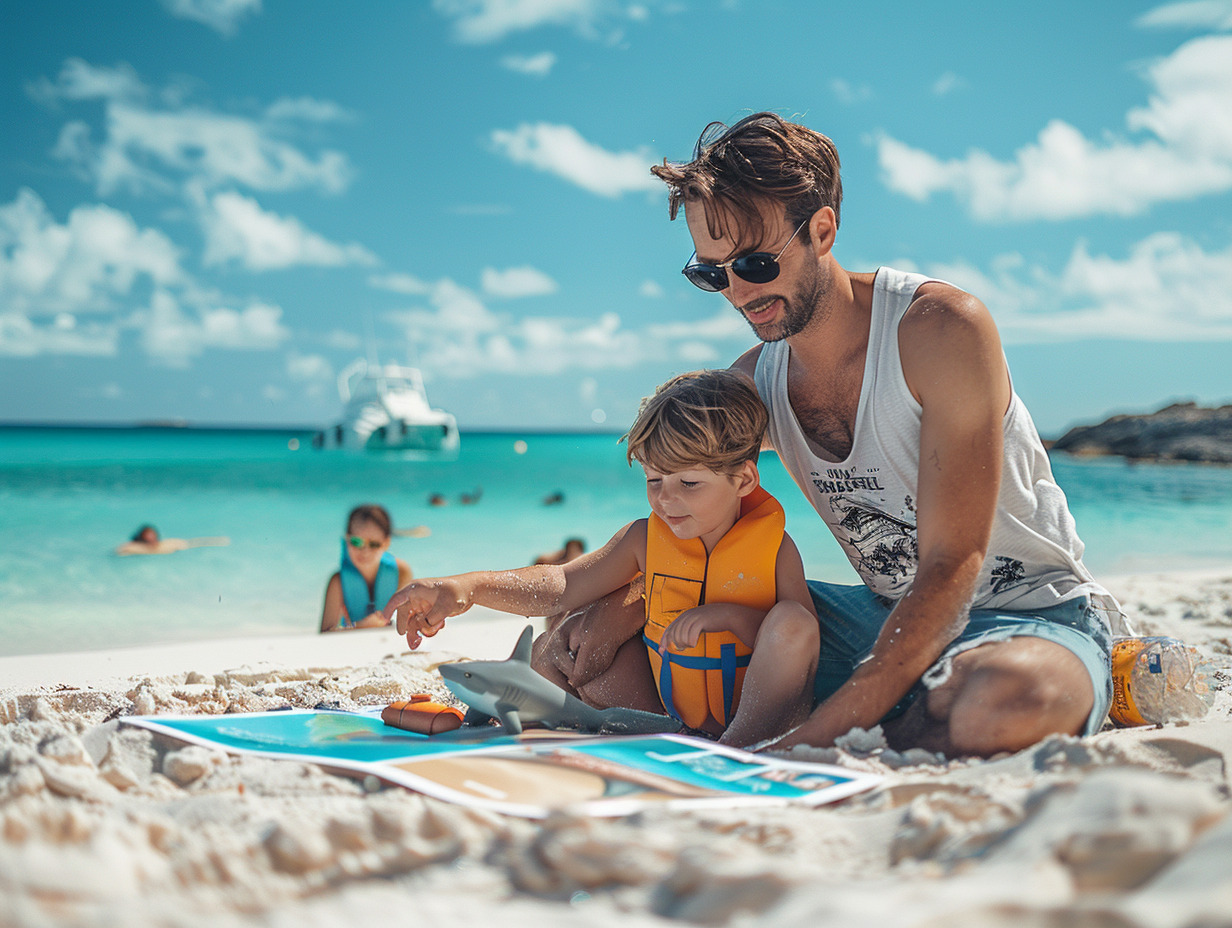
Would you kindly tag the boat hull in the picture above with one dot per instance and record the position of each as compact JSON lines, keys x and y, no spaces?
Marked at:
{"x":387,"y":410}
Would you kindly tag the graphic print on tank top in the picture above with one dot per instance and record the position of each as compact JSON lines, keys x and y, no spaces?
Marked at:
{"x":880,"y":538}
{"x":1008,"y":573}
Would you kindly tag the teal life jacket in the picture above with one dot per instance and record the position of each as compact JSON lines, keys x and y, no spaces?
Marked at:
{"x":357,"y":599}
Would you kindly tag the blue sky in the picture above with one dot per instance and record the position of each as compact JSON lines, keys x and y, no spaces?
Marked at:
{"x":209,"y":207}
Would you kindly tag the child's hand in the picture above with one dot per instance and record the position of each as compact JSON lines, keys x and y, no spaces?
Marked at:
{"x":684,"y":632}
{"x":687,"y":628}
{"x":423,"y":606}
{"x":375,"y":620}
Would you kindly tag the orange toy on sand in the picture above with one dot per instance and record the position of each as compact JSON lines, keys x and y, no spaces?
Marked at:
{"x":421,"y":714}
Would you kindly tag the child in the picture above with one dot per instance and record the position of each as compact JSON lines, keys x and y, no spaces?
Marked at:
{"x":724,"y":584}
{"x":368,"y":574}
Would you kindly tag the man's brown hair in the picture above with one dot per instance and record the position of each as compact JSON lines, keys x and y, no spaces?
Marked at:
{"x":761,"y":159}
{"x":712,"y":419}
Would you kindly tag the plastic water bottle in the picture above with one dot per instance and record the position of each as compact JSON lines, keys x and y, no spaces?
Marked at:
{"x":1157,"y":680}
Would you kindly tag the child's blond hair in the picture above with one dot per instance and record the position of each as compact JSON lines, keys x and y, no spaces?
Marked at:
{"x":713,"y":419}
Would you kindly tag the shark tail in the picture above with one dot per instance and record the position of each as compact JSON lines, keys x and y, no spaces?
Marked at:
{"x":618,"y":721}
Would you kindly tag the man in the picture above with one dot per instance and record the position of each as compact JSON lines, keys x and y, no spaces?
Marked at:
{"x":977,"y":629}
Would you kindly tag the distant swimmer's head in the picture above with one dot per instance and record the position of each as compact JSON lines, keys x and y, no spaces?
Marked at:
{"x":147,"y":534}
{"x":713,"y":419}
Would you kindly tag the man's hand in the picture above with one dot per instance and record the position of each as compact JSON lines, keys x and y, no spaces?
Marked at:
{"x":423,"y":606}
{"x":581,"y":645}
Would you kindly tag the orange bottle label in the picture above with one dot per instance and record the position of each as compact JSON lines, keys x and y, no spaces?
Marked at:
{"x":1124,"y":711}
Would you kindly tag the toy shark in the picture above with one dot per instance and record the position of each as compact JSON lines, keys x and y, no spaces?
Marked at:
{"x":514,"y":693}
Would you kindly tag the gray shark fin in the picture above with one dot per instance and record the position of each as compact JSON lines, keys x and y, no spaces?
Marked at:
{"x":508,"y":715}
{"x":521,"y":650}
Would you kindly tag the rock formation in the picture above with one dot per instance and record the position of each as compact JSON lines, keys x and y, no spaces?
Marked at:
{"x":1180,"y":432}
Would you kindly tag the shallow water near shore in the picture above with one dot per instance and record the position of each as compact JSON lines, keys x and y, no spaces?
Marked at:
{"x":69,"y":496}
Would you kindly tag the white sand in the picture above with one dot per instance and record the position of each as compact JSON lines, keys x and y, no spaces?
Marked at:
{"x":104,"y":825}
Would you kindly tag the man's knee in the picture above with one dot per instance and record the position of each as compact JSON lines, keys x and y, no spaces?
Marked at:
{"x":1012,"y":702}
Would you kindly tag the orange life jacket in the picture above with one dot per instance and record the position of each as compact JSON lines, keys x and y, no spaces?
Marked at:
{"x":704,"y":681}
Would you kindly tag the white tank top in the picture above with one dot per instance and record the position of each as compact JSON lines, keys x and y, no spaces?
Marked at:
{"x":1034,"y":555}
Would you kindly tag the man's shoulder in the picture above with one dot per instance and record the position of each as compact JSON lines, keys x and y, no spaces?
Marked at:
{"x":940,"y":310}
{"x":747,"y":362}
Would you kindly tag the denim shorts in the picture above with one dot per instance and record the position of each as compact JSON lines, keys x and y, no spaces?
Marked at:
{"x":852,"y":617}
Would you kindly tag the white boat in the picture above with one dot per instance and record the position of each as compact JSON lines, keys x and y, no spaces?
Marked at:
{"x":386,"y":408}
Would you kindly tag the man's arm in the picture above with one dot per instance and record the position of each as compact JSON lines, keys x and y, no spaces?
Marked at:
{"x":953,"y":364}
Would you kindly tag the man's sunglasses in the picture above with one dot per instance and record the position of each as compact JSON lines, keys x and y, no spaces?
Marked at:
{"x":760,"y":267}
{"x":356,"y":542}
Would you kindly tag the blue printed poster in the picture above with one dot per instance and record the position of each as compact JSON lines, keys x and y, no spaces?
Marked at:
{"x":527,"y":775}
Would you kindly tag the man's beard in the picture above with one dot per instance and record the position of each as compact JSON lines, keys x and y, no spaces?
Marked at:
{"x":799,"y":309}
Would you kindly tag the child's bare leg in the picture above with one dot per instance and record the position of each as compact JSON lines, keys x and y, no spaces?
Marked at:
{"x":628,"y":682}
{"x":778,"y":685}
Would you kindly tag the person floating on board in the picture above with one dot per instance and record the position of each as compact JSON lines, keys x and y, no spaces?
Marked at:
{"x":977,"y":628}
{"x":724,"y":592}
{"x":368,"y":575}
{"x":146,"y":540}
{"x":573,"y":547}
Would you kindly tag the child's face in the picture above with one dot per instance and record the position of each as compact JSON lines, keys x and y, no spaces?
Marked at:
{"x":697,"y":503}
{"x":373,"y":543}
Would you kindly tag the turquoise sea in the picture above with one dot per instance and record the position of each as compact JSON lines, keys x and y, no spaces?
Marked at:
{"x":69,"y":496}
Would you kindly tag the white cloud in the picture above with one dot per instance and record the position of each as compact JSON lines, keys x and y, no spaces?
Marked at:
{"x":516,"y":282}
{"x":23,"y":337}
{"x":173,"y":336}
{"x":307,"y":109}
{"x":1183,"y":150}
{"x":724,"y":325}
{"x":699,"y":353}
{"x":237,"y":229}
{"x":309,"y":367}
{"x":1166,"y":288}
{"x":562,"y":151}
{"x":850,"y":94}
{"x":947,"y":83}
{"x":459,"y":337}
{"x":533,"y":65}
{"x":481,"y":21}
{"x":211,"y":147}
{"x":221,"y":15}
{"x":540,"y":346}
{"x":457,"y":311}
{"x":80,"y":80}
{"x":399,"y":283}
{"x":1194,"y":14}
{"x":650,"y":289}
{"x":342,"y":340}
{"x":97,"y":256}
{"x":144,"y":147}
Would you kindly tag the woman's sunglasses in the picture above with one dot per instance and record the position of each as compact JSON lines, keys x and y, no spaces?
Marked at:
{"x":760,"y":267}
{"x":356,"y":542}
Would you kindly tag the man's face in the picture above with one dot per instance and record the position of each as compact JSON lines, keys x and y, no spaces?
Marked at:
{"x":786,"y":305}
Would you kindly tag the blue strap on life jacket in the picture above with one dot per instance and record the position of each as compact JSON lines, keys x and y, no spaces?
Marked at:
{"x":356,"y":597}
{"x":727,"y":663}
